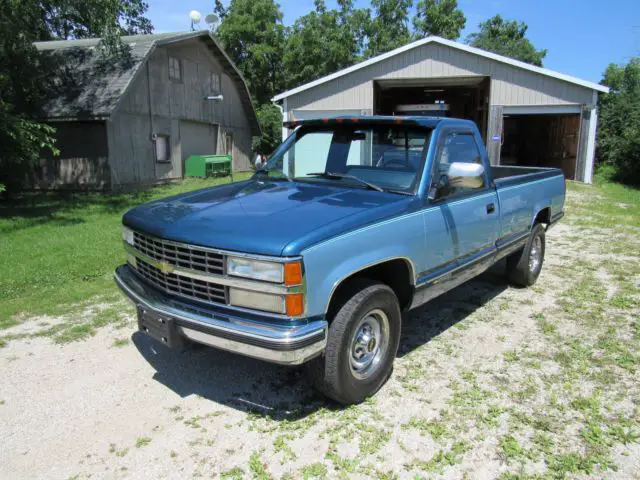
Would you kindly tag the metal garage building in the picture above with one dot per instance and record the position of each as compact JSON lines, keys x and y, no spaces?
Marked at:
{"x":527,"y":115}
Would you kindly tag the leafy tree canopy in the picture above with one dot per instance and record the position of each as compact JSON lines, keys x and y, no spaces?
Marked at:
{"x":64,"y":19}
{"x":618,"y":140}
{"x":270,"y":119}
{"x":323,"y":42}
{"x":253,"y":35}
{"x":506,"y":37}
{"x":442,"y":18}
{"x":389,"y":26}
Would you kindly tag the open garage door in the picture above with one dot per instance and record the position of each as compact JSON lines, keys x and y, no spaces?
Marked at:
{"x":459,"y":97}
{"x":541,"y":140}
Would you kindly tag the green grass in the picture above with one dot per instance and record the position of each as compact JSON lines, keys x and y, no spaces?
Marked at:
{"x":258,"y":468}
{"x":120,"y":342}
{"x":314,"y":471}
{"x":620,"y":207}
{"x":236,"y":473}
{"x":58,"y":250}
{"x":142,"y":442}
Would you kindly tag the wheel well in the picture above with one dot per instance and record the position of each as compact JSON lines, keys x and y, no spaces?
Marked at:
{"x":543,"y":216}
{"x":397,"y":274}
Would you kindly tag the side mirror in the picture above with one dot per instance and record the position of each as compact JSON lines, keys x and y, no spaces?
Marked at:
{"x":466,"y":175}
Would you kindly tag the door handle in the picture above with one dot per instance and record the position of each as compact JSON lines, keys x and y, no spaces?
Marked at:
{"x":491,"y":208}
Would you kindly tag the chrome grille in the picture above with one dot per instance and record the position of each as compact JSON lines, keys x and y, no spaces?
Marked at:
{"x":180,"y":256}
{"x":182,"y":286}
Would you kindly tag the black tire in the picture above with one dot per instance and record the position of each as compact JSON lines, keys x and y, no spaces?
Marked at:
{"x":520,"y":271}
{"x":333,"y":374}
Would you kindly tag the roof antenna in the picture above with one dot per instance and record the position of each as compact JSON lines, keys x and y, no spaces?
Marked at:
{"x":211,"y":20}
{"x":195,"y":17}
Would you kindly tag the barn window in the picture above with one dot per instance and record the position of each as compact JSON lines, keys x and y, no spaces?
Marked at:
{"x":175,"y":69}
{"x":215,"y":84}
{"x":163,"y":152}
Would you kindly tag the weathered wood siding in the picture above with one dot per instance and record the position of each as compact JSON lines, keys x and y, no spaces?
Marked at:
{"x":83,"y":160}
{"x":156,"y":104}
{"x":509,"y":85}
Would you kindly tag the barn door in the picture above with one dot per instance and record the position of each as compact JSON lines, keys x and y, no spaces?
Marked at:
{"x":494,"y":138}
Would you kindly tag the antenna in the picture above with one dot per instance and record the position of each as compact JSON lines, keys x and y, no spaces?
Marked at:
{"x":211,"y":20}
{"x":195,"y":17}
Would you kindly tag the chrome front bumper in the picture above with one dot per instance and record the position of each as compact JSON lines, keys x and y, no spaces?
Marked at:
{"x":272,"y":342}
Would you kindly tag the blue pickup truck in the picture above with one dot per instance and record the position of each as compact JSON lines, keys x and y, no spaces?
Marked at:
{"x":313,"y":260}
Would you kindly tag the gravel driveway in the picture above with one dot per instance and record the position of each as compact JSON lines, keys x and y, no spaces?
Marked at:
{"x":490,"y":381}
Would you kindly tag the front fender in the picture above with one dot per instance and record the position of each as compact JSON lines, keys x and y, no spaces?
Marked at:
{"x":329,"y":263}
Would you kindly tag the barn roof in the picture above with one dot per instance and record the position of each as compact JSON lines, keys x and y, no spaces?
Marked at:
{"x":89,"y":86}
{"x":448,"y":43}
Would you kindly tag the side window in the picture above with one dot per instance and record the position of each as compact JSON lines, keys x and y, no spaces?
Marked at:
{"x":163,"y":153}
{"x":215,"y":84}
{"x":175,"y":69}
{"x":458,"y":169}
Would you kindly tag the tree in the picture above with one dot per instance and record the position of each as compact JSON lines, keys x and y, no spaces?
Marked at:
{"x":442,"y":18}
{"x":253,"y":35}
{"x":22,"y":88}
{"x":389,"y":27}
{"x":618,"y":140}
{"x":219,"y":10}
{"x":323,"y":42}
{"x":63,"y":19}
{"x":271,"y":122}
{"x":506,"y":37}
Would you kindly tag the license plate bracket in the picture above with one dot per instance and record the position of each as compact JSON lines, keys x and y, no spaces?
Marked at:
{"x":161,"y":328}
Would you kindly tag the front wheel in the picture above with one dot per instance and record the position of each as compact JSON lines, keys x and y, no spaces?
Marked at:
{"x":524,"y":266}
{"x":361,"y":346}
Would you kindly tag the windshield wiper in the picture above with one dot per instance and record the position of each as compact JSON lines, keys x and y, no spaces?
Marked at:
{"x":370,"y":185}
{"x":266,"y":172}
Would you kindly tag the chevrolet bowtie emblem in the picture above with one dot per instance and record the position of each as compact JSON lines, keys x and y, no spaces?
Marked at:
{"x":165,"y":268}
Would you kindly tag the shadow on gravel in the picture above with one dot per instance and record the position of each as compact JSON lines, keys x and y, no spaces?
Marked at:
{"x":284,"y":393}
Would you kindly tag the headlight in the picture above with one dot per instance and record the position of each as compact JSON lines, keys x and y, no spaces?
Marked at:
{"x":127,"y":235}
{"x":255,"y":269}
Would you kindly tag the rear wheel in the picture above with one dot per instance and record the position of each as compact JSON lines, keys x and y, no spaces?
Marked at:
{"x":524,"y":266}
{"x":361,"y":346}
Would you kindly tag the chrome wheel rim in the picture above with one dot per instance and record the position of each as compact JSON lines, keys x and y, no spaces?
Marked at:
{"x":369,"y":344}
{"x":535,"y":254}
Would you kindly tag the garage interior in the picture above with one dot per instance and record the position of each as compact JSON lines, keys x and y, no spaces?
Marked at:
{"x":534,"y":140}
{"x":460,"y":97}
{"x":541,"y":140}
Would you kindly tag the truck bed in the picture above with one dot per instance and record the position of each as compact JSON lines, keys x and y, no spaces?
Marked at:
{"x":511,"y":175}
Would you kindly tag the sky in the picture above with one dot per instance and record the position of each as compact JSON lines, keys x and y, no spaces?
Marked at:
{"x":582,"y":36}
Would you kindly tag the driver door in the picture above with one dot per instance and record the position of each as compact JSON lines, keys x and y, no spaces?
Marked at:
{"x":461,"y":222}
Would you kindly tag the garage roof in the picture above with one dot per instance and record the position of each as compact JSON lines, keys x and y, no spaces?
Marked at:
{"x":448,"y":43}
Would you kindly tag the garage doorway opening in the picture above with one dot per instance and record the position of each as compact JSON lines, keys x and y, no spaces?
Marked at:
{"x":459,"y":97}
{"x":542,"y":140}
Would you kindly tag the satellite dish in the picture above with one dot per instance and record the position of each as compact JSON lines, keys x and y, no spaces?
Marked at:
{"x":211,"y":19}
{"x":195,"y":16}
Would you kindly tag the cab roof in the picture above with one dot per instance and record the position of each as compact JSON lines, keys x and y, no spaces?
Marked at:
{"x":421,"y":121}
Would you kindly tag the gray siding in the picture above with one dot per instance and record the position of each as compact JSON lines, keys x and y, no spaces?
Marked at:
{"x":155,"y":104}
{"x":509,"y":85}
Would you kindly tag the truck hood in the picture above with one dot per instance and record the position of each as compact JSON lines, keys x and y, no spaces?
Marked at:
{"x":264,"y":217}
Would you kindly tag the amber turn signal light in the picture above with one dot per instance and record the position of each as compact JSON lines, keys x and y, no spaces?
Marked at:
{"x":295,"y":304}
{"x":293,"y":273}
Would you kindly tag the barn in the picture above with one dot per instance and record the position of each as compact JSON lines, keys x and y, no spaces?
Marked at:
{"x":527,"y":115}
{"x":133,"y":119}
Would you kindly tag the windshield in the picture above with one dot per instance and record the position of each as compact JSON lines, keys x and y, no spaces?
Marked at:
{"x":390,"y":157}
